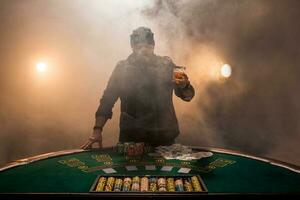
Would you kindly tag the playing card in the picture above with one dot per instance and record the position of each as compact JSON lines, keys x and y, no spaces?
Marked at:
{"x":150,"y":167}
{"x":109,"y":170}
{"x":166,"y":168}
{"x":131,"y":168}
{"x":184,"y":170}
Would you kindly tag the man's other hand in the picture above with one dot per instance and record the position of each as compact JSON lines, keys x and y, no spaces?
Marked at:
{"x":181,"y":82}
{"x":96,"y":137}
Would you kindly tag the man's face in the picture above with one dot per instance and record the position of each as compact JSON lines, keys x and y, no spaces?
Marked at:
{"x":142,"y":49}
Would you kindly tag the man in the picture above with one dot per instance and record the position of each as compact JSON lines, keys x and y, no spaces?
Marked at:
{"x":144,"y":83}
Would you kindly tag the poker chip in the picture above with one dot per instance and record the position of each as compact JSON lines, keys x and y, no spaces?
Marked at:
{"x":187,"y":185}
{"x":127,"y":184}
{"x":144,"y":184}
{"x":196,"y":184}
{"x":110,"y":184}
{"x":170,"y":185}
{"x":179,"y":185}
{"x":135,"y":184}
{"x":161,"y":182}
{"x":101,"y":184}
{"x":118,"y":185}
{"x":153,"y":184}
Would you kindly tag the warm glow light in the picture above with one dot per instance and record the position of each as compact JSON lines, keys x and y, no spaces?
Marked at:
{"x":41,"y":67}
{"x":226,"y":70}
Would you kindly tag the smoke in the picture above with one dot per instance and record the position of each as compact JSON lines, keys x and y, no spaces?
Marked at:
{"x":81,"y":42}
{"x":255,"y":110}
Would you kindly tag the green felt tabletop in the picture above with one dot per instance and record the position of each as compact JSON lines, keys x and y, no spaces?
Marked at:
{"x":76,"y":172}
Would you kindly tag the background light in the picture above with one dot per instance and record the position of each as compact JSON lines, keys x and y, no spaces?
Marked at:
{"x":226,"y":70}
{"x":41,"y":67}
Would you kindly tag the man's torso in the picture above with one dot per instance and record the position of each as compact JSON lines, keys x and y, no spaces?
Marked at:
{"x":147,"y":111}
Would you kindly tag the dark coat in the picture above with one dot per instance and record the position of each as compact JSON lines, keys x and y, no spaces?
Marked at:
{"x":145,"y":89}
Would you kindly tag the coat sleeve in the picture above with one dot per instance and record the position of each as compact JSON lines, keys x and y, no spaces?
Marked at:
{"x":110,"y":94}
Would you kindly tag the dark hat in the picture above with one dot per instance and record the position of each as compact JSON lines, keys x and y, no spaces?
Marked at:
{"x":142,"y":35}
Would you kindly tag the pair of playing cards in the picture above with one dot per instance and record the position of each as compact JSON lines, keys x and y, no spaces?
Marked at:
{"x":134,"y":168}
{"x":181,"y":170}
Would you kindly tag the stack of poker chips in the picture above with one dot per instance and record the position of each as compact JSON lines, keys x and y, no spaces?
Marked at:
{"x":109,"y":184}
{"x":118,"y":185}
{"x":179,"y":185}
{"x":170,"y":185}
{"x":135,"y":184}
{"x":161,"y":182}
{"x":144,"y":184}
{"x":196,"y":184}
{"x":120,"y":148}
{"x":132,"y":148}
{"x":126,"y":184}
{"x":101,"y":184}
{"x":153,"y":185}
{"x":148,"y":148}
{"x":187,"y":185}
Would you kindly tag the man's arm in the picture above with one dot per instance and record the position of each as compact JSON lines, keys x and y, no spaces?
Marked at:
{"x":110,"y":95}
{"x":182,"y":87}
{"x":104,"y":111}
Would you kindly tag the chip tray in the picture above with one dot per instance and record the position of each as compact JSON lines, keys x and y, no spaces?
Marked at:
{"x":98,"y":187}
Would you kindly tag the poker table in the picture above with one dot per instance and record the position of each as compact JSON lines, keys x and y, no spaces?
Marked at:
{"x":75,"y":172}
